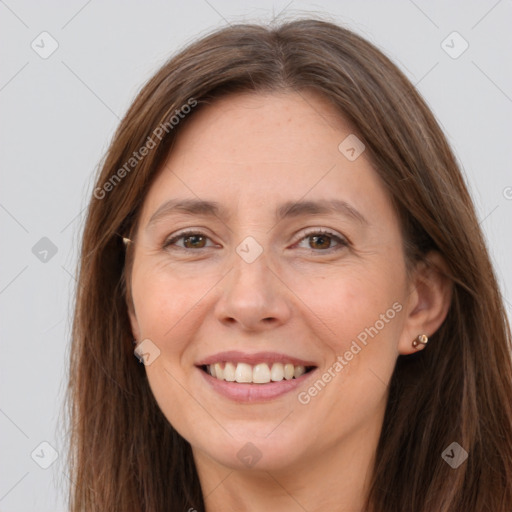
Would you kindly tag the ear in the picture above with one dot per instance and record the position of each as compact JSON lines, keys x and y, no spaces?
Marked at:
{"x":429,"y":301}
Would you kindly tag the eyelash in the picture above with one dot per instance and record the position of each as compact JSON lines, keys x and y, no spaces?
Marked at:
{"x":340,"y":240}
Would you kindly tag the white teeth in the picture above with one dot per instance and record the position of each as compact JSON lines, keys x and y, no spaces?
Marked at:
{"x":243,"y":372}
{"x":288,"y":371}
{"x":299,"y":370}
{"x":229,"y":372}
{"x":260,"y":373}
{"x":277,"y":372}
{"x":219,"y":371}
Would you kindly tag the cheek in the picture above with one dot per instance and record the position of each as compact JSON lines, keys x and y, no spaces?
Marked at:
{"x":353,"y":304}
{"x":164,"y":306}
{"x":361,"y":317}
{"x":164,"y":302}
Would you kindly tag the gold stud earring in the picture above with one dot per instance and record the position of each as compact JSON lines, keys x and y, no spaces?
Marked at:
{"x":126,"y":241}
{"x":422,"y":340}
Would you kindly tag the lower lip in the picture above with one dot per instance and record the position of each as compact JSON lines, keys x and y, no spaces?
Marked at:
{"x":254,"y":392}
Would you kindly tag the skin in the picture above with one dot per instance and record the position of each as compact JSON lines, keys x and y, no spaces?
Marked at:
{"x":251,"y":152}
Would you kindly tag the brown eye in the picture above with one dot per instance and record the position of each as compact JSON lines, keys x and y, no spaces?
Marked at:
{"x":196,"y":241}
{"x":323,"y":241}
{"x":191,"y":240}
{"x":320,"y":241}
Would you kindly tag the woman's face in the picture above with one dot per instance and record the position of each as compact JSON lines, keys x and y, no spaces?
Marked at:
{"x":257,"y":292}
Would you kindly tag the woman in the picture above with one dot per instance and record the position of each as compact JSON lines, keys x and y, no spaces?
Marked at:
{"x":281,"y":232}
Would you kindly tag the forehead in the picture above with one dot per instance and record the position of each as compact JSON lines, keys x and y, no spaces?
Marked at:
{"x":258,"y":148}
{"x":264,"y":127}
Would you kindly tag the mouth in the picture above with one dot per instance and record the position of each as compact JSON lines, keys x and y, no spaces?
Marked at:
{"x":249,"y":378}
{"x":260,"y":373}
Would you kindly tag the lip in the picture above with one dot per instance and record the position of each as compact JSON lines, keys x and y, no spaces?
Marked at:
{"x":250,"y":393}
{"x":236,"y":356}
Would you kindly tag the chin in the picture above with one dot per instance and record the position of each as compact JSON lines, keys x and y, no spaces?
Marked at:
{"x":253,"y":452}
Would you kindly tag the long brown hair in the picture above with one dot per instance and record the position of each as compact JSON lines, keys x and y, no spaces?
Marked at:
{"x":124,"y":454}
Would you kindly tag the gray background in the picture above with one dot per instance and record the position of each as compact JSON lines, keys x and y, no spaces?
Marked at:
{"x":58,"y":116}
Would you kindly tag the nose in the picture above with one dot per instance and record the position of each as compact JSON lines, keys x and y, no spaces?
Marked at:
{"x":253,"y":296}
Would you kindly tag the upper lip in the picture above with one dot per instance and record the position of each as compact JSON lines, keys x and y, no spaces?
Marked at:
{"x":254,"y":358}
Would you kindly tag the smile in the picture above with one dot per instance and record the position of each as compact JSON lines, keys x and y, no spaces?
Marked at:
{"x":260,"y":373}
{"x":255,"y":377}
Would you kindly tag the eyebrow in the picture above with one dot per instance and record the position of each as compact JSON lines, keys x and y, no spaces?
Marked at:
{"x":289,"y":209}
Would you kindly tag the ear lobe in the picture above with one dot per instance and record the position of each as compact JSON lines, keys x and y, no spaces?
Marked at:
{"x":429,"y":301}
